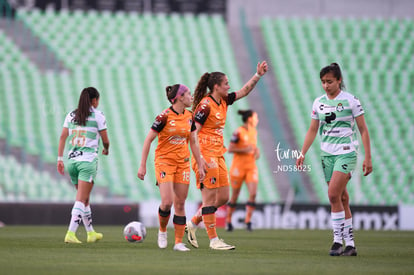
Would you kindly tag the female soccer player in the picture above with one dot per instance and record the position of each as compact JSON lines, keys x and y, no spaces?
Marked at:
{"x":243,"y":168}
{"x":84,"y":127}
{"x":210,"y":117}
{"x":334,"y":115}
{"x":174,"y":128}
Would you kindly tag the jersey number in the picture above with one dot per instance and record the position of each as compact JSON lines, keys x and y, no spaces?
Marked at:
{"x":186,"y":176}
{"x":79,"y":138}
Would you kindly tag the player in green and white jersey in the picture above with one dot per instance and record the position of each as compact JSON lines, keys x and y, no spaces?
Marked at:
{"x":333,"y":116}
{"x":84,"y":127}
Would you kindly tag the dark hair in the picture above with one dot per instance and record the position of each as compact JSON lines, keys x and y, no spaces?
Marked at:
{"x":172,"y":92}
{"x":207,"y":80}
{"x":335,"y":70}
{"x":84,"y":105}
{"x":245,"y":114}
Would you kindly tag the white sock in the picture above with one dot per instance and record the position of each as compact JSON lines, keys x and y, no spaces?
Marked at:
{"x":348,"y":233}
{"x":338,"y":222}
{"x":77,"y":212}
{"x":87,"y":219}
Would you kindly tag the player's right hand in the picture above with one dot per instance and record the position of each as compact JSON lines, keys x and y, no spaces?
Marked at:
{"x":61,"y":167}
{"x":299,"y":161}
{"x":141,"y":172}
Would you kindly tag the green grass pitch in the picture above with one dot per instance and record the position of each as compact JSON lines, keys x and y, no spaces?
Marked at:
{"x":41,"y":250}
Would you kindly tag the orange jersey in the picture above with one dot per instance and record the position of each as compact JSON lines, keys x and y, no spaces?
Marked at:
{"x":174,"y":131}
{"x":212,"y":116}
{"x":242,"y":138}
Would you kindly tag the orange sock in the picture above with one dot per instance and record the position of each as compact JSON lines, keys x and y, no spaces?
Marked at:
{"x":163,"y":218}
{"x":209,"y":219}
{"x":250,"y":207}
{"x":179,"y":227}
{"x":230,"y":209}
{"x":197,"y":218}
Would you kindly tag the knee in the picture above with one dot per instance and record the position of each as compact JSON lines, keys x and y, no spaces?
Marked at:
{"x":179,"y":206}
{"x":334,"y":198}
{"x":166,"y":205}
{"x":345,"y":199}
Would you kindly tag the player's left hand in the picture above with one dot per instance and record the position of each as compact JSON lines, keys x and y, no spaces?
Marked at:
{"x":367,"y":167}
{"x":262,"y":68}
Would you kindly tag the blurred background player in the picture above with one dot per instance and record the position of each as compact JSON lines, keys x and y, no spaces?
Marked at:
{"x":210,"y":111}
{"x":334,"y":115}
{"x":84,"y":127}
{"x":174,"y":128}
{"x":243,"y":168}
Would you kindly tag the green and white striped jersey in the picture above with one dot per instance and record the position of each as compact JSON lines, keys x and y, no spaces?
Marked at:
{"x":83,"y":141}
{"x":337,"y":122}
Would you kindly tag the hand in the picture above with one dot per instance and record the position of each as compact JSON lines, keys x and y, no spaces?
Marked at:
{"x":256,"y":153}
{"x":141,"y":172}
{"x":105,"y":151}
{"x":61,"y":167}
{"x":299,"y":162}
{"x":367,"y":167}
{"x":262,"y":68}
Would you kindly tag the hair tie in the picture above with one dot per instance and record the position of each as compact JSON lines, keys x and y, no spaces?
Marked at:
{"x":181,"y":90}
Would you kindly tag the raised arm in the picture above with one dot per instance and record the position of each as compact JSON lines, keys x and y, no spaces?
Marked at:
{"x":145,"y":151}
{"x":248,"y":87}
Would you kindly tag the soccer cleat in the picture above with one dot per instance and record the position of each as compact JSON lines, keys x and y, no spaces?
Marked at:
{"x":229,"y":227}
{"x":162,"y":239}
{"x":219,"y":244}
{"x":180,"y":247}
{"x":191,"y":229}
{"x":336,"y":249}
{"x":71,"y":238}
{"x":249,"y":226}
{"x":349,"y":251}
{"x":94,"y":237}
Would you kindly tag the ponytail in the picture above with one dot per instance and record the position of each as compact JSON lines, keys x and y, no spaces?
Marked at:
{"x":84,"y":105}
{"x":207,"y":80}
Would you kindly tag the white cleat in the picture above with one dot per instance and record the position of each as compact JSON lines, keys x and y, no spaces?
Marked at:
{"x":180,"y":247}
{"x":162,"y":239}
{"x":219,"y":244}
{"x":191,"y":229}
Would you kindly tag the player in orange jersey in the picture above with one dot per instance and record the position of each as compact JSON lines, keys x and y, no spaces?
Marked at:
{"x":175,"y":128}
{"x":210,"y":111}
{"x":243,"y":168}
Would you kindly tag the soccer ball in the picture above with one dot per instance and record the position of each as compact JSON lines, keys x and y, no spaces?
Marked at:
{"x":135,"y":232}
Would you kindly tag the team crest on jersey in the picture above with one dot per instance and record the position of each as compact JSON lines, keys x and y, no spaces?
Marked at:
{"x":218,"y":115}
{"x":172,"y":123}
{"x":340,"y":107}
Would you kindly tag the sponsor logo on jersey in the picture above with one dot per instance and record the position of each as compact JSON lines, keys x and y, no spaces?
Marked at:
{"x":172,"y":123}
{"x":321,"y":107}
{"x":218,"y":115}
{"x":177,"y":140}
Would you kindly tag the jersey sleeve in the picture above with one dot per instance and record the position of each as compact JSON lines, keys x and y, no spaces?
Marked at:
{"x":314,"y":114}
{"x":230,"y":98}
{"x":68,"y":119}
{"x":101,"y":121}
{"x":235,"y":137}
{"x":356,"y":107}
{"x":160,"y":122}
{"x":201,"y":113}
{"x":193,"y":126}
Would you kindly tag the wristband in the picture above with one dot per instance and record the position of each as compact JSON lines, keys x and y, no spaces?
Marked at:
{"x":60,"y":158}
{"x":258,"y":75}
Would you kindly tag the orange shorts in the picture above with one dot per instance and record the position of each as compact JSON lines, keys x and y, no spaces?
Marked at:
{"x":216,"y":175}
{"x":238,"y":175}
{"x":179,"y":173}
